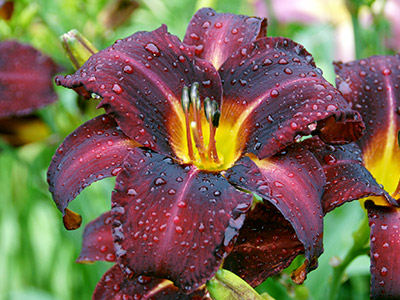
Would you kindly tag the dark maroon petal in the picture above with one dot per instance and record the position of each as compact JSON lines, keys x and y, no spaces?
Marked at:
{"x":385,"y":249}
{"x":92,"y":152}
{"x":216,"y":35}
{"x":115,"y":286}
{"x":371,"y":86}
{"x":266,"y":245}
{"x":98,"y":240}
{"x":140,"y":79}
{"x":6,"y":9}
{"x":274,"y":94}
{"x":346,"y":177}
{"x":174,"y":221}
{"x":293,"y":182}
{"x":25,"y":79}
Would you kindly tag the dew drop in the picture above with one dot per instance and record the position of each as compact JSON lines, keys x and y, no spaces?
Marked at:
{"x":128,"y":69}
{"x":206,"y":24}
{"x":278,"y":184}
{"x":159,"y":181}
{"x":153,"y":49}
{"x":198,"y":49}
{"x":179,"y":229}
{"x":283,"y":61}
{"x":274,"y":93}
{"x":194,"y":36}
{"x":116,"y":171}
{"x":384,"y":271}
{"x":267,"y":62}
{"x":331,"y":107}
{"x":202,"y":228}
{"x":110,"y":257}
{"x":264,"y":189}
{"x":217,"y":25}
{"x":131,"y":192}
{"x":386,"y":72}
{"x":117,"y":88}
{"x":288,"y":71}
{"x":330,"y":159}
{"x":182,"y":204}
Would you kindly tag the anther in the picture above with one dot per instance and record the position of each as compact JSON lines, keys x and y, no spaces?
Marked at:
{"x":194,"y":93}
{"x":215,"y":118}
{"x":185,"y":100}
{"x":208,"y":109}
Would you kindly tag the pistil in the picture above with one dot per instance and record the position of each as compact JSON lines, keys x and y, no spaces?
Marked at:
{"x":191,"y":104}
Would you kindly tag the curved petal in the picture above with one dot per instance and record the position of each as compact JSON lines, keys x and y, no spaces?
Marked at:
{"x":157,"y":204}
{"x":274,"y":94}
{"x":293,"y":182}
{"x":371,"y":86}
{"x":385,"y":248}
{"x":25,"y":79}
{"x":216,"y":36}
{"x":98,"y":241}
{"x":115,"y":286}
{"x":346,"y":177}
{"x":92,"y":152}
{"x":140,"y":79}
{"x":266,"y":245}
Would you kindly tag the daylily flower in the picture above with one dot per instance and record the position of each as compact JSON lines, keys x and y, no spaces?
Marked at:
{"x":192,"y":130}
{"x":25,"y":85}
{"x":372,"y":87}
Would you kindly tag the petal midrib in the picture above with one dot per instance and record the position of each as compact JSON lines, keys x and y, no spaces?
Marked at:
{"x":152,"y":77}
{"x":170,"y":230}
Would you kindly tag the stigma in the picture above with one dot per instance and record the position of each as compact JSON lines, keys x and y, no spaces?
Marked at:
{"x":201,"y":152}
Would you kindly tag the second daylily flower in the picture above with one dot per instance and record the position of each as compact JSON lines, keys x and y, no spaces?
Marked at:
{"x":192,"y":129}
{"x":372,"y":86}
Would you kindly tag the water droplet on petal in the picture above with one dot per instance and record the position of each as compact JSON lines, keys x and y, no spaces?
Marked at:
{"x":179,"y":229}
{"x":128,"y":69}
{"x":153,"y":49}
{"x":274,"y":93}
{"x":330,"y":159}
{"x":117,"y":88}
{"x":131,"y":192}
{"x":159,"y":181}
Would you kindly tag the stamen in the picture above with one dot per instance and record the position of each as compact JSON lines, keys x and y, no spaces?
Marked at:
{"x":197,"y":129}
{"x":186,"y":105}
{"x":198,"y":140}
{"x":209,"y":110}
{"x":206,"y":156}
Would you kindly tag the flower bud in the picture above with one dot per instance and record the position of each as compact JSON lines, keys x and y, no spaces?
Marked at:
{"x":227,"y":286}
{"x":77,"y":47}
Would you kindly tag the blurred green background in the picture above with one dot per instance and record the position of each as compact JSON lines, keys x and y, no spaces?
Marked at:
{"x":37,"y":254}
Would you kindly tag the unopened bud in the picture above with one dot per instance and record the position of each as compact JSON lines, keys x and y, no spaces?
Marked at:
{"x":77,"y":47}
{"x":228,"y":286}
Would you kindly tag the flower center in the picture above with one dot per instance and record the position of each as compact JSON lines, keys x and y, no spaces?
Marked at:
{"x":201,"y":129}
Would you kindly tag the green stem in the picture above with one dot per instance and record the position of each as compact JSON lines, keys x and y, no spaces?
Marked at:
{"x":360,"y":247}
{"x":358,"y":44}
